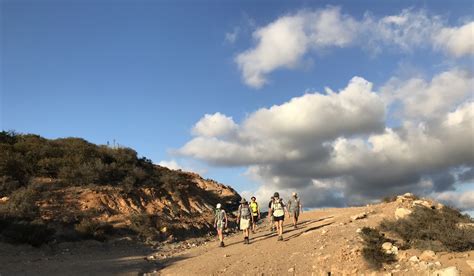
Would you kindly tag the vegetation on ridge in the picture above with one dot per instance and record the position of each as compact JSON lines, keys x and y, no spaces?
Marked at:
{"x":63,"y":175}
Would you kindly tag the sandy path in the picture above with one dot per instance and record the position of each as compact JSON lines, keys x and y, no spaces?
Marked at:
{"x":264,"y":255}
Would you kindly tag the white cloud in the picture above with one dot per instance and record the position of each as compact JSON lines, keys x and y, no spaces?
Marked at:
{"x":214,"y":125}
{"x":171,"y":164}
{"x":462,"y":201}
{"x":458,"y":41}
{"x":280,"y":44}
{"x":283,"y":132}
{"x":284,"y":42}
{"x":174,"y":165}
{"x":336,"y":148}
{"x":425,"y":100}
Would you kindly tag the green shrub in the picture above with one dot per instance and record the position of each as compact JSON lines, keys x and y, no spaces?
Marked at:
{"x":433,"y":229}
{"x":372,"y":250}
{"x":92,"y":229}
{"x":145,"y":226}
{"x":22,"y":203}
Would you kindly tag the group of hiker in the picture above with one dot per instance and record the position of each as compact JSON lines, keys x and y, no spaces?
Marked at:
{"x":248,"y":216}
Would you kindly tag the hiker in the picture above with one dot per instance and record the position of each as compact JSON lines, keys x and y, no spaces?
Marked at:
{"x":244,"y":217}
{"x":255,"y":212}
{"x":220,"y":222}
{"x":278,"y":209}
{"x":295,"y":207}
{"x":270,"y":215}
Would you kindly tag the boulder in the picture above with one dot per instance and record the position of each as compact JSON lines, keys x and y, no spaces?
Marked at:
{"x":359,"y":216}
{"x":414,"y":259}
{"x":423,"y":203}
{"x":387,"y":246}
{"x":4,"y":199}
{"x":401,"y":213}
{"x":449,"y":271}
{"x":465,"y":225}
{"x":428,"y":255}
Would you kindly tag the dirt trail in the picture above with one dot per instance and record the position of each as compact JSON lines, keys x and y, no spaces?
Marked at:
{"x":265,"y":254}
{"x":325,"y":241}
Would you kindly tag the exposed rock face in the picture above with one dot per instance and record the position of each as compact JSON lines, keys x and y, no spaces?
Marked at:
{"x":187,"y":207}
{"x":401,"y":213}
{"x":428,"y":255}
{"x":449,"y":271}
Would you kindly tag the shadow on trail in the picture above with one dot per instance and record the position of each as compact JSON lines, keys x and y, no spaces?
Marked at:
{"x":156,"y":266}
{"x":302,"y":225}
{"x":306,"y":231}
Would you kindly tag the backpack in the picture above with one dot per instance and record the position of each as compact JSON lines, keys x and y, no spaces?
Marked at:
{"x":254,"y":207}
{"x":220,"y":215}
{"x":244,"y":211}
{"x":277,"y":207}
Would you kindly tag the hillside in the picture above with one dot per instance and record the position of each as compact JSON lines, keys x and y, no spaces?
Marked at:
{"x":69,"y":189}
{"x":328,"y":240}
{"x":332,"y":241}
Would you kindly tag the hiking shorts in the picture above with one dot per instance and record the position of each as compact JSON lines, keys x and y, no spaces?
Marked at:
{"x":255,"y":219}
{"x":244,"y":224}
{"x":220,"y":225}
{"x":282,"y":218}
{"x":295,"y":213}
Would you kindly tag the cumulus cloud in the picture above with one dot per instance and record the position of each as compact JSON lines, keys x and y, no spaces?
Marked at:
{"x":174,"y":165}
{"x":424,"y":100}
{"x":284,"y":42}
{"x":170,"y":164}
{"x":214,"y":125}
{"x":462,"y":201}
{"x":458,"y":41}
{"x":336,"y":148}
{"x":289,"y":131}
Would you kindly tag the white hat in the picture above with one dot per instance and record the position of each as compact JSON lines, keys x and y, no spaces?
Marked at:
{"x":294,"y":193}
{"x":218,"y":205}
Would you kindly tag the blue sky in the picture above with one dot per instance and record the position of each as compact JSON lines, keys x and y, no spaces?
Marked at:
{"x":145,"y":72}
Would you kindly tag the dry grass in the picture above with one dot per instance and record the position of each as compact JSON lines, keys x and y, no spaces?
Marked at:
{"x":433,"y":229}
{"x":372,"y":251}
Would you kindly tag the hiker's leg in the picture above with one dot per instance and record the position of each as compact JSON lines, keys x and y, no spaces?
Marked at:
{"x":280,"y":230}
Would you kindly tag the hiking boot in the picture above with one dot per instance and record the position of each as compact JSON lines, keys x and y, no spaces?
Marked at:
{"x":221,"y":244}
{"x":280,"y":238}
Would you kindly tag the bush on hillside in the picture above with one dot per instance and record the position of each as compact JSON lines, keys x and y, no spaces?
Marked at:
{"x":73,"y":160}
{"x":22,"y":203}
{"x":372,"y":250}
{"x":145,"y":226}
{"x":91,"y":229}
{"x":432,"y":229}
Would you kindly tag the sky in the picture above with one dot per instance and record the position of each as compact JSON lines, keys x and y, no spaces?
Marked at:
{"x":344,"y":102}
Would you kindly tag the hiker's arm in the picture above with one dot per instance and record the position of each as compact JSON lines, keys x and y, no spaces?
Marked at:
{"x":270,"y":212}
{"x":225,"y":218}
{"x":301,"y":208}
